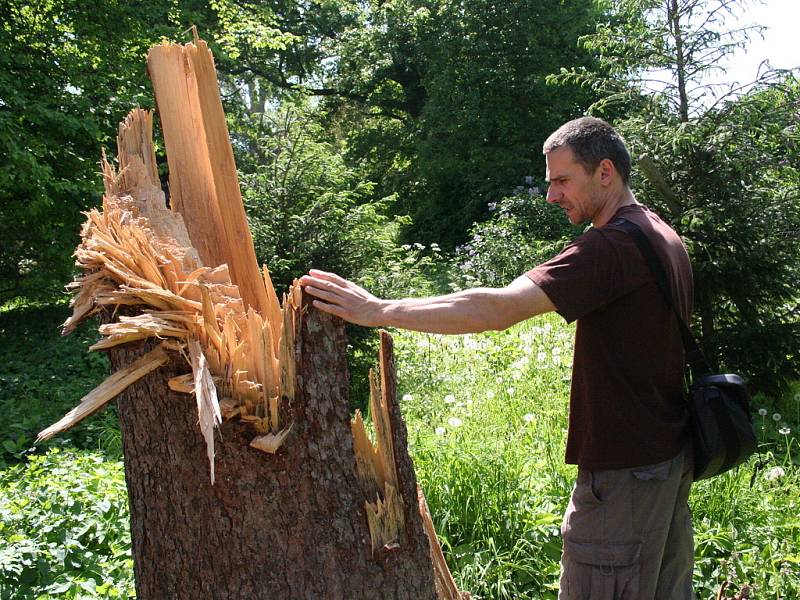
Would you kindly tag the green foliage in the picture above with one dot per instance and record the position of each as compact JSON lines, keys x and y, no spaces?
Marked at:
{"x":485,"y":415}
{"x":523,"y":231}
{"x":69,"y":71}
{"x":43,"y":376}
{"x":64,"y":528}
{"x":440,"y":102}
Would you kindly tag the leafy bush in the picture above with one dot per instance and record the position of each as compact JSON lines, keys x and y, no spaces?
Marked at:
{"x":43,"y":375}
{"x":64,"y":528}
{"x":522,"y":232}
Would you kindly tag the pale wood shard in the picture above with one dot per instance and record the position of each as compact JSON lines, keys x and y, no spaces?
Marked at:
{"x":191,"y":182}
{"x":106,"y":391}
{"x":208,"y":412}
{"x":271,"y":442}
{"x":379,"y":411}
{"x":241,"y":257}
{"x":184,"y":384}
{"x":446,"y":587}
{"x":376,"y":466}
{"x":366,"y":458}
{"x":385,"y":519}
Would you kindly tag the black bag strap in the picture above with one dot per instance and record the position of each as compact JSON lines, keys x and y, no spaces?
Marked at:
{"x":695,"y":360}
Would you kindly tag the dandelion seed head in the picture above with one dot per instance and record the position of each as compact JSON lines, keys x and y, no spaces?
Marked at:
{"x":440,"y":431}
{"x":490,"y":394}
{"x":541,"y":357}
{"x":774,"y":473}
{"x":776,"y":417}
{"x":510,"y":391}
{"x":528,"y":418}
{"x":449,"y":399}
{"x":762,"y":412}
{"x":407,"y":397}
{"x":455,"y":422}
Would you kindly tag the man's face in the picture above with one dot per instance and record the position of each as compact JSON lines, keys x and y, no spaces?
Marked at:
{"x":571,"y":187}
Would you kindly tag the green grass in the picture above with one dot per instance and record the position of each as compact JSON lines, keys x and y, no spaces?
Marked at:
{"x":497,"y":485}
{"x":486,"y":416}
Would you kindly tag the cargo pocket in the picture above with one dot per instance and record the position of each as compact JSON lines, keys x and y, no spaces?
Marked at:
{"x":600,"y":571}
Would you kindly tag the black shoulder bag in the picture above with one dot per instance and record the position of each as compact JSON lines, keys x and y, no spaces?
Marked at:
{"x":719,"y":404}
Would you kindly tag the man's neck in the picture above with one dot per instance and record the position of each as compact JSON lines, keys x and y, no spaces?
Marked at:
{"x":624,"y":198}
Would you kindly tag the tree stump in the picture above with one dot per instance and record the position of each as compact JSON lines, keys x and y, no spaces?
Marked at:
{"x":288,"y":525}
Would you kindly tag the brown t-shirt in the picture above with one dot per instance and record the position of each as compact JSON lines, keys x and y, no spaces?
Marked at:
{"x":626,"y":404}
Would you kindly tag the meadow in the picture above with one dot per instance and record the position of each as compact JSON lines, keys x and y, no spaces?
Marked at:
{"x":486,"y":417}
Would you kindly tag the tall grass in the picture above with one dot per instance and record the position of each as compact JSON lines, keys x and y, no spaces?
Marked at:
{"x":487,"y":416}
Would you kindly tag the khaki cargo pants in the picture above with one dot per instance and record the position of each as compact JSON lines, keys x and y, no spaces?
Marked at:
{"x":628,"y":534}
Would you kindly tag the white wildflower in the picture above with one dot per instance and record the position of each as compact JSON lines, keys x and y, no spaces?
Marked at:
{"x":556,"y":359}
{"x":527,"y":349}
{"x":528,"y":418}
{"x":449,"y":399}
{"x":455,"y":422}
{"x":541,"y":357}
{"x":516,"y":375}
{"x":440,"y":431}
{"x":547,"y":327}
{"x":490,"y":394}
{"x":784,"y":431}
{"x":510,"y":391}
{"x":557,"y":350}
{"x":407,"y":397}
{"x":774,"y":473}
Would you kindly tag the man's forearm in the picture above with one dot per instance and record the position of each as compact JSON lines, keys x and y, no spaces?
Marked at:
{"x":468,"y":311}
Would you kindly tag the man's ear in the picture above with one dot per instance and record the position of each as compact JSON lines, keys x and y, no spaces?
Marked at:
{"x":606,"y":170}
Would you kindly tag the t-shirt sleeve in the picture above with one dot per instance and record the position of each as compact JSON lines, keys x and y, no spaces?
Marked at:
{"x":590,"y":273}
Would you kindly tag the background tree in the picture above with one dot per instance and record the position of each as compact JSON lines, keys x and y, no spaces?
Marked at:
{"x":730,"y":170}
{"x":69,"y":71}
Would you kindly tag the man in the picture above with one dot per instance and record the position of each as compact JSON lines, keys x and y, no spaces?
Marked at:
{"x":627,"y":530}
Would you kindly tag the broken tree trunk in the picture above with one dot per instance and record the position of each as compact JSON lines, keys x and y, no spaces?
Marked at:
{"x":209,"y":369}
{"x":288,"y":525}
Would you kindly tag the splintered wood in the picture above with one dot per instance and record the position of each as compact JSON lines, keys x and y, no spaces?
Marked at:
{"x":375,"y":463}
{"x":173,"y":265}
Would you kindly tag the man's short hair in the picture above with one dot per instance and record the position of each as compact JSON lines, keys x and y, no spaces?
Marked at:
{"x":592,"y":140}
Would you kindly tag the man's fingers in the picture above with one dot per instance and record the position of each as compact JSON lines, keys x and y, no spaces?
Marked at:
{"x":329,"y":308}
{"x":323,"y":294}
{"x":328,"y":276}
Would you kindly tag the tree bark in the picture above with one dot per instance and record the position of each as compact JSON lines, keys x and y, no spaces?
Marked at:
{"x":288,"y":525}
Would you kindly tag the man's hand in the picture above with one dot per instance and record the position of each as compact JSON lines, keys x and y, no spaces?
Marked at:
{"x":343,"y":298}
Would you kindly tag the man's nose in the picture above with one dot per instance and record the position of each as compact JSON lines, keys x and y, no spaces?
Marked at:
{"x":551,"y":195}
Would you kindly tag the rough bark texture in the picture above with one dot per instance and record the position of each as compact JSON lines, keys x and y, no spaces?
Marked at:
{"x":290,"y":525}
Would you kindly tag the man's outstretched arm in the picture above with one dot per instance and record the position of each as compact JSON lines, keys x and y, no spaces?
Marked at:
{"x":468,"y":311}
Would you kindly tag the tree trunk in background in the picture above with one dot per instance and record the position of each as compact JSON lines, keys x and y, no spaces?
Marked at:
{"x":289,"y":525}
